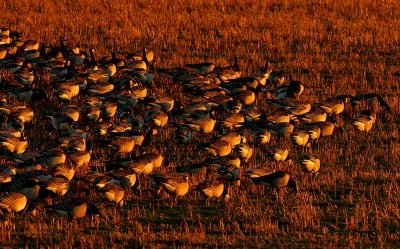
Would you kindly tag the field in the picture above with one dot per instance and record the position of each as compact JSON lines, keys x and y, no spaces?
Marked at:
{"x":334,"y":47}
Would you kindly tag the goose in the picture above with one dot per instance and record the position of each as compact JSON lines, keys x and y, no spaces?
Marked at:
{"x":60,"y":122}
{"x":71,"y":111}
{"x":108,"y":109}
{"x":176,"y":187}
{"x":230,"y":160}
{"x":370,"y":97}
{"x":336,"y":104}
{"x":92,"y":113}
{"x":202,"y":68}
{"x":14,"y":145}
{"x":56,"y":186}
{"x":229,"y":174}
{"x":254,"y":173}
{"x":228,"y":73}
{"x":182,"y":135}
{"x":15,"y":202}
{"x":164,"y":102}
{"x":233,"y":121}
{"x":328,"y":127}
{"x":283,"y":129}
{"x":234,"y":138}
{"x":246,"y":97}
{"x":78,"y":158}
{"x":67,"y":90}
{"x":313,"y":130}
{"x":122,"y":144}
{"x":30,"y":45}
{"x":262,"y":136}
{"x":65,"y":170}
{"x":279,"y":116}
{"x":203,"y":125}
{"x":310,"y":164}
{"x":113,"y":193}
{"x":317,"y":115}
{"x":75,"y":208}
{"x":300,"y":137}
{"x":262,"y":75}
{"x":4,"y":178}
{"x":278,"y":179}
{"x":278,"y":153}
{"x":156,"y":117}
{"x":293,"y":90}
{"x":219,"y":148}
{"x":365,"y":121}
{"x":245,"y":151}
{"x":212,"y":189}
{"x":124,"y":177}
{"x":51,"y":158}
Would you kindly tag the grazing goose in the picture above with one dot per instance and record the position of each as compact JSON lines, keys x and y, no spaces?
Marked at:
{"x":262,"y":136}
{"x":75,"y":208}
{"x":182,"y":135}
{"x":310,"y":164}
{"x":365,"y":121}
{"x":254,"y":173}
{"x":219,"y":148}
{"x":300,"y":137}
{"x":279,"y":179}
{"x":212,"y":189}
{"x":113,"y":193}
{"x":15,"y":202}
{"x":370,"y":97}
{"x":203,"y":125}
{"x":336,"y":104}
{"x":56,"y":186}
{"x":14,"y":145}
{"x":245,"y":151}
{"x":202,"y":68}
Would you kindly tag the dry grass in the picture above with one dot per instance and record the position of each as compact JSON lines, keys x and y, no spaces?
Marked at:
{"x":336,"y":47}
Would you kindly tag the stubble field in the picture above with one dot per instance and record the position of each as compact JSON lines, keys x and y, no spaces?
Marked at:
{"x":335,"y":47}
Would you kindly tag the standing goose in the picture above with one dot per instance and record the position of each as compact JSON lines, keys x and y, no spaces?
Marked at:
{"x":300,"y":137}
{"x":263,"y":74}
{"x":318,"y":115}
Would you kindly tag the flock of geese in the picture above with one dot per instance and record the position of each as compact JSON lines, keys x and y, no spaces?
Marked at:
{"x":73,"y":125}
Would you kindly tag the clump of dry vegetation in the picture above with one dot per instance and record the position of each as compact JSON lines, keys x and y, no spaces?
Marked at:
{"x":335,"y":47}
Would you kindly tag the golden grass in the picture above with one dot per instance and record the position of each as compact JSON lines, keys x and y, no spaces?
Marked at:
{"x":336,"y":47}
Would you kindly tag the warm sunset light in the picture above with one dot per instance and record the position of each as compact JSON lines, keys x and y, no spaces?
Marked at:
{"x":199,"y":124}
